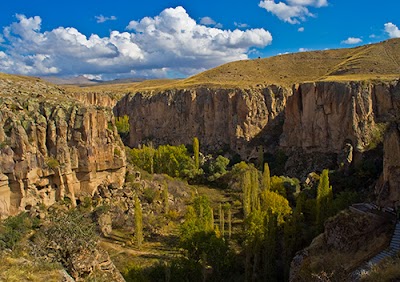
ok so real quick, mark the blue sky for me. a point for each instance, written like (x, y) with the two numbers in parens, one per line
(112, 39)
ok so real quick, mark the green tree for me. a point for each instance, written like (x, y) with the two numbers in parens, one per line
(199, 217)
(221, 220)
(266, 178)
(122, 124)
(324, 199)
(138, 223)
(165, 195)
(276, 204)
(196, 152)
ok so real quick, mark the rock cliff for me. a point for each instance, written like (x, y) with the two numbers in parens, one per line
(336, 121)
(324, 116)
(52, 146)
(221, 118)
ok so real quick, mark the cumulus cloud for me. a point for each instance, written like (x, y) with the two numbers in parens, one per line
(102, 19)
(171, 42)
(352, 40)
(293, 11)
(392, 30)
(300, 29)
(286, 13)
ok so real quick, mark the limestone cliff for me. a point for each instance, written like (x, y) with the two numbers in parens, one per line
(52, 146)
(220, 118)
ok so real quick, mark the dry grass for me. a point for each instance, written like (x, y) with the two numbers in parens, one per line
(388, 270)
(23, 269)
(375, 62)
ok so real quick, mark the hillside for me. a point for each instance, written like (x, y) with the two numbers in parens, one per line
(374, 61)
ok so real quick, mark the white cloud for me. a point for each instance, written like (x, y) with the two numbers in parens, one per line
(171, 42)
(303, 49)
(207, 21)
(286, 13)
(241, 25)
(352, 40)
(210, 22)
(300, 29)
(392, 30)
(315, 3)
(102, 19)
(372, 36)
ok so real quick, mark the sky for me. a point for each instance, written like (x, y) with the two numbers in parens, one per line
(170, 38)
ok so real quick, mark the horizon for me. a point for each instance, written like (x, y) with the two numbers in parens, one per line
(177, 39)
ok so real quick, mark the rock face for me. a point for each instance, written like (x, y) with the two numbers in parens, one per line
(387, 187)
(336, 121)
(325, 116)
(53, 147)
(95, 99)
(220, 118)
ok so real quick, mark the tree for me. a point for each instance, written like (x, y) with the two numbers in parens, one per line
(221, 220)
(196, 151)
(266, 180)
(324, 199)
(276, 204)
(138, 223)
(165, 198)
(199, 217)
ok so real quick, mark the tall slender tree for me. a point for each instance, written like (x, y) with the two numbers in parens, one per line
(166, 198)
(266, 180)
(196, 152)
(138, 223)
(324, 199)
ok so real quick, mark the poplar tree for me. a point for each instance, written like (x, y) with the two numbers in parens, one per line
(138, 223)
(266, 180)
(255, 200)
(324, 199)
(229, 222)
(246, 187)
(165, 198)
(221, 220)
(196, 151)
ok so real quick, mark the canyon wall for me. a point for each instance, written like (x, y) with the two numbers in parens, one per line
(53, 146)
(324, 116)
(221, 118)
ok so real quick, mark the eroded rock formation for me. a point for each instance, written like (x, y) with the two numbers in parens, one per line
(52, 147)
(325, 116)
(220, 118)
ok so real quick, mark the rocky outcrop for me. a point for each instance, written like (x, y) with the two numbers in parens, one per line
(336, 121)
(325, 116)
(52, 147)
(349, 239)
(107, 100)
(221, 118)
(387, 187)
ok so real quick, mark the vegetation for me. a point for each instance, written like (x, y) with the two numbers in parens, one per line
(52, 163)
(123, 127)
(196, 150)
(248, 226)
(138, 223)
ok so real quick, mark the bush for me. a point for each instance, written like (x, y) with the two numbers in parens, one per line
(52, 163)
(14, 228)
(66, 235)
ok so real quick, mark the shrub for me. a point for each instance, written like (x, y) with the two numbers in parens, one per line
(52, 163)
(14, 228)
